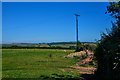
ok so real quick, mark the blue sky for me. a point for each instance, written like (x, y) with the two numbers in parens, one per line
(37, 22)
(56, 0)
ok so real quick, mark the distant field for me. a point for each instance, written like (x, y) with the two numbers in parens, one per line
(36, 63)
(54, 45)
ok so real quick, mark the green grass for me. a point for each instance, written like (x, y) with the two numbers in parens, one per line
(34, 63)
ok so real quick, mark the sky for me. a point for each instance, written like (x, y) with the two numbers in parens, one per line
(38, 22)
(57, 0)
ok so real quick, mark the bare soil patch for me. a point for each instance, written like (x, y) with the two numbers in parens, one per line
(86, 59)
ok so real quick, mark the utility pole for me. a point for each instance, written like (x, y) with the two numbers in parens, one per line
(77, 28)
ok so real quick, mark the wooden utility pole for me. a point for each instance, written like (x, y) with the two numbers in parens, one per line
(77, 28)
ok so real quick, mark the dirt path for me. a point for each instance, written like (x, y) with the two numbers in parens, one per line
(82, 61)
(84, 70)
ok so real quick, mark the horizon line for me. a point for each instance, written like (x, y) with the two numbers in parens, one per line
(43, 42)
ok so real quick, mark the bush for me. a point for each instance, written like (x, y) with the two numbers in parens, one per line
(108, 54)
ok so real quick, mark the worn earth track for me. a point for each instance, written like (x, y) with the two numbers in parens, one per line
(88, 57)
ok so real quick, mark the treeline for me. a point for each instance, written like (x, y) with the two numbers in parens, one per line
(55, 43)
(19, 47)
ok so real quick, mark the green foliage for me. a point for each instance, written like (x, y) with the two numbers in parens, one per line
(77, 57)
(114, 10)
(108, 48)
(78, 47)
(90, 47)
(83, 46)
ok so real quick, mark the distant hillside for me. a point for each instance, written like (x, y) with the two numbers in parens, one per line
(44, 45)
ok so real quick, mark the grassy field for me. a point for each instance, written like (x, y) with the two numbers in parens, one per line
(36, 63)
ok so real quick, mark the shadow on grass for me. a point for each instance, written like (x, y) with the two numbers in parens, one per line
(99, 77)
(88, 77)
(42, 77)
(61, 77)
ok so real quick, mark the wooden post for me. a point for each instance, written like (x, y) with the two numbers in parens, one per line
(77, 28)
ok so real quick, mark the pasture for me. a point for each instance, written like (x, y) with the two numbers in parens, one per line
(37, 63)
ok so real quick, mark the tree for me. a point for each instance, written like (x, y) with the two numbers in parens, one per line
(114, 10)
(108, 51)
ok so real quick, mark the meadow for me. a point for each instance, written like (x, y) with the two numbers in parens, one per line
(37, 63)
